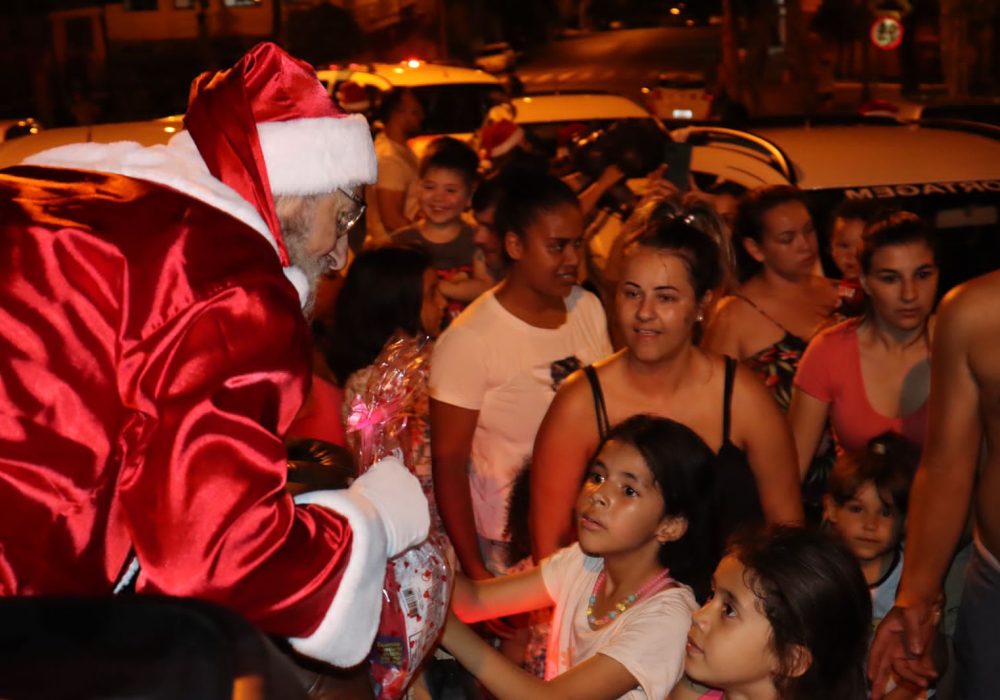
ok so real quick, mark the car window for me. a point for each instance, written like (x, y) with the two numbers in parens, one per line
(682, 83)
(966, 216)
(454, 109)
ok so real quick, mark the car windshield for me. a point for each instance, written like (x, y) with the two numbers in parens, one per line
(454, 109)
(544, 136)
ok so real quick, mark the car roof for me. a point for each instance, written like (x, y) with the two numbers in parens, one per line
(147, 133)
(413, 74)
(534, 109)
(829, 157)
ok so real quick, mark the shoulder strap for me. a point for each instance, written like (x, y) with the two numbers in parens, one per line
(599, 408)
(727, 397)
(763, 313)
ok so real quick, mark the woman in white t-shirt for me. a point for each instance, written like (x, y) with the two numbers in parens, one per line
(623, 593)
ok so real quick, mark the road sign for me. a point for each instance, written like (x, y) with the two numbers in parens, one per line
(886, 32)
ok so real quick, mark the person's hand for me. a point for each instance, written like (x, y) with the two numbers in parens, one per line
(657, 186)
(902, 645)
(610, 175)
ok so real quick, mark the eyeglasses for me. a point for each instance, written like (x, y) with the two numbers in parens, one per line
(347, 218)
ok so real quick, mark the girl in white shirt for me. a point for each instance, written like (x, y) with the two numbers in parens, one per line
(623, 594)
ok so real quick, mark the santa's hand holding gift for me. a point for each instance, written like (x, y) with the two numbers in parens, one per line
(155, 351)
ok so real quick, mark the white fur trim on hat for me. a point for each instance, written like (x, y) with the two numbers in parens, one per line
(313, 156)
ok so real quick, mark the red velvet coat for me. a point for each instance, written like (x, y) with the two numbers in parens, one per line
(152, 354)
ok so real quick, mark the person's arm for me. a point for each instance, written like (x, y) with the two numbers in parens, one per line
(204, 496)
(722, 334)
(806, 415)
(469, 288)
(391, 206)
(939, 499)
(452, 429)
(593, 192)
(765, 436)
(564, 443)
(474, 601)
(599, 677)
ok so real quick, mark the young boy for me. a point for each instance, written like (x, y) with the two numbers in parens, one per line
(447, 175)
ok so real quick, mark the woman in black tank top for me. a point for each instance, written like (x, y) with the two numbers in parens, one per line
(665, 287)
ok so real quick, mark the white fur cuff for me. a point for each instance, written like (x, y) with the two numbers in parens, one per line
(345, 635)
(313, 156)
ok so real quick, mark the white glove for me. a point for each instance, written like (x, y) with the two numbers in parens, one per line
(399, 501)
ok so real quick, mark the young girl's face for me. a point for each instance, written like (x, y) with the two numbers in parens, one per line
(729, 645)
(443, 195)
(870, 527)
(620, 507)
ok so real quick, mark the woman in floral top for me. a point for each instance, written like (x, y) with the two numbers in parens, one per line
(781, 303)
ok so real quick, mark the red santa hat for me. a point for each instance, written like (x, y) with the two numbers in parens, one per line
(500, 137)
(267, 126)
(352, 97)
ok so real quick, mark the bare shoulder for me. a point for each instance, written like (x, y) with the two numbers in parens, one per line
(749, 392)
(730, 314)
(574, 396)
(971, 304)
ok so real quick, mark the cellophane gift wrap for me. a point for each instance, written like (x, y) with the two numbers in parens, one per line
(417, 585)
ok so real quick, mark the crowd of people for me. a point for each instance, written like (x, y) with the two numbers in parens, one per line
(697, 468)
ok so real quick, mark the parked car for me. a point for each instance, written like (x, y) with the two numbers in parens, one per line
(679, 96)
(455, 99)
(947, 173)
(147, 133)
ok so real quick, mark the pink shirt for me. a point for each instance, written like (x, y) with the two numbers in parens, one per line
(830, 370)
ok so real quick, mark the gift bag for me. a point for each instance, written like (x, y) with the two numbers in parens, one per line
(417, 585)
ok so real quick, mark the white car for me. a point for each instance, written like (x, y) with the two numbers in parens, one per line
(950, 175)
(679, 96)
(455, 99)
(148, 133)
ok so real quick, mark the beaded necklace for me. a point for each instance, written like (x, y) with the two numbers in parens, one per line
(653, 585)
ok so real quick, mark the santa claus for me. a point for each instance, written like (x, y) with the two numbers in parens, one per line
(155, 351)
